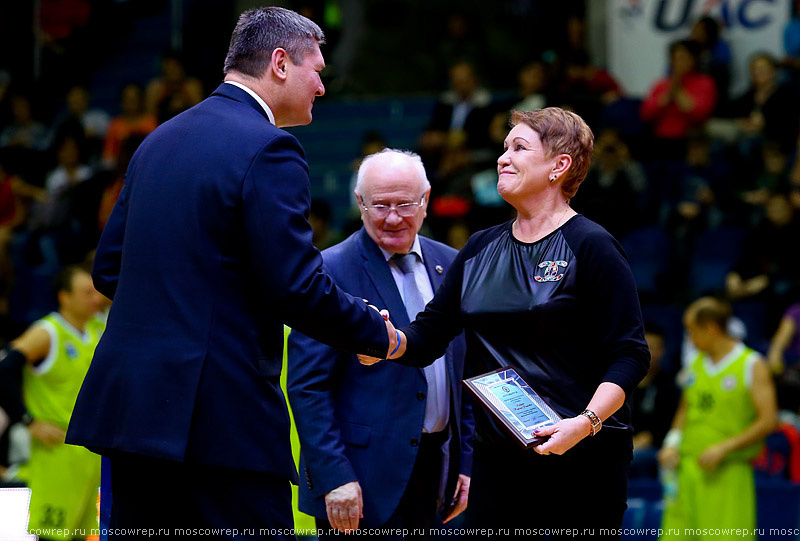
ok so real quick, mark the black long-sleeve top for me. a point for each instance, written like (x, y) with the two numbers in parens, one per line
(563, 311)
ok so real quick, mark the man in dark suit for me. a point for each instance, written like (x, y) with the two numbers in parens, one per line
(387, 444)
(206, 255)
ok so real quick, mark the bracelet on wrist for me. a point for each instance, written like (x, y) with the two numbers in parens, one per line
(597, 424)
(397, 333)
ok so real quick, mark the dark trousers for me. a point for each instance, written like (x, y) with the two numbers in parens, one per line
(532, 496)
(418, 506)
(153, 497)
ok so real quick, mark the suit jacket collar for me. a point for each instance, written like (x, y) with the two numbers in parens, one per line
(237, 94)
(381, 275)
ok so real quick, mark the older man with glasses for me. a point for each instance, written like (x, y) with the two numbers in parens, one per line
(385, 446)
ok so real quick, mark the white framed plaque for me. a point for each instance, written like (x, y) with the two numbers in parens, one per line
(512, 402)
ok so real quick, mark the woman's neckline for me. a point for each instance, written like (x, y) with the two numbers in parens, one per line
(542, 238)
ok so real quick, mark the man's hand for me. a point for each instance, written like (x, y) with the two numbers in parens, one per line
(394, 351)
(461, 498)
(48, 434)
(345, 506)
(366, 359)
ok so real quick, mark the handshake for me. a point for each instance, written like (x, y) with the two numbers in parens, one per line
(397, 340)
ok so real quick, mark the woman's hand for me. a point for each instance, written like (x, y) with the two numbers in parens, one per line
(563, 435)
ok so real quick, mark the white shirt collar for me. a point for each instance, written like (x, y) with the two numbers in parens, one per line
(256, 97)
(415, 249)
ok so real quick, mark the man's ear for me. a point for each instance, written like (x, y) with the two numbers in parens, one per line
(279, 63)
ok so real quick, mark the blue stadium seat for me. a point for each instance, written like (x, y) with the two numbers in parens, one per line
(714, 254)
(634, 515)
(649, 252)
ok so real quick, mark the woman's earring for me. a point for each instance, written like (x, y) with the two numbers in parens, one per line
(552, 178)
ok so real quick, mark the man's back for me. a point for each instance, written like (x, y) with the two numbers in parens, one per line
(205, 255)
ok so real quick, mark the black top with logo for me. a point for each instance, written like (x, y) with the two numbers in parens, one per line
(563, 311)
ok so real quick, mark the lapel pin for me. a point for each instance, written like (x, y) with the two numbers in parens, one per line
(439, 269)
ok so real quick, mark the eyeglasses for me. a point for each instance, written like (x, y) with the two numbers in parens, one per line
(404, 210)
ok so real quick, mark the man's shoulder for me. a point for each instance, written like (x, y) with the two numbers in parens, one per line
(341, 257)
(348, 246)
(221, 125)
(437, 247)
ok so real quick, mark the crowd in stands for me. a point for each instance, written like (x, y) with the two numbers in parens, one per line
(701, 187)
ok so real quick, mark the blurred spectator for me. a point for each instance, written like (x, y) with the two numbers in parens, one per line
(69, 170)
(774, 176)
(727, 409)
(534, 92)
(784, 350)
(534, 88)
(611, 195)
(699, 195)
(132, 121)
(459, 125)
(455, 146)
(783, 356)
(24, 131)
(587, 88)
(679, 102)
(111, 186)
(92, 121)
(53, 356)
(714, 57)
(575, 31)
(173, 91)
(653, 406)
(460, 42)
(769, 269)
(78, 213)
(15, 198)
(768, 110)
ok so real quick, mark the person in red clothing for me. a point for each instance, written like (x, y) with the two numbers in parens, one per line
(682, 100)
(133, 121)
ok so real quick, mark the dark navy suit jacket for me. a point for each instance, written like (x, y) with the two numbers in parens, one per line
(363, 423)
(206, 254)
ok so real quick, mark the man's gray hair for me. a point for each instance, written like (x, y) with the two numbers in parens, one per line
(392, 155)
(262, 30)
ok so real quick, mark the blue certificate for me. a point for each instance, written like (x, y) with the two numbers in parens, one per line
(510, 400)
(519, 403)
